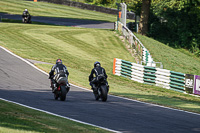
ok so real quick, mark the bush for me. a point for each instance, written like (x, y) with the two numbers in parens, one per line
(180, 27)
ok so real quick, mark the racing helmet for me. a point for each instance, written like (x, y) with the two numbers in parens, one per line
(26, 10)
(96, 64)
(58, 61)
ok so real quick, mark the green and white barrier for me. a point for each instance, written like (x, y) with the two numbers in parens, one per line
(142, 53)
(150, 75)
(129, 70)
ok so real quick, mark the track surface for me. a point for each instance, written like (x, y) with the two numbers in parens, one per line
(24, 84)
(64, 21)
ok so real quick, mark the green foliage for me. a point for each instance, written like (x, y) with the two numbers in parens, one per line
(176, 23)
(178, 60)
(132, 5)
(103, 2)
(80, 48)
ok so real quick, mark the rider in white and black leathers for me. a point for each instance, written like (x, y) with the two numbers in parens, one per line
(60, 70)
(26, 14)
(98, 71)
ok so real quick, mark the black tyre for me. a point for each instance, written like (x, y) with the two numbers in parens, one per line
(96, 96)
(63, 93)
(104, 93)
(56, 96)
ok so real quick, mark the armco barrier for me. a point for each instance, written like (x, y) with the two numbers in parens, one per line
(150, 75)
(142, 53)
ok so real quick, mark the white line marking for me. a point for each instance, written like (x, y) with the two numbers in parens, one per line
(47, 111)
(90, 90)
(59, 115)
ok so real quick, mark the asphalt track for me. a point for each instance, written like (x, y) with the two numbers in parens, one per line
(24, 84)
(64, 21)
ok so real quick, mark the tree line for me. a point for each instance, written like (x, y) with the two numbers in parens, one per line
(173, 22)
(176, 23)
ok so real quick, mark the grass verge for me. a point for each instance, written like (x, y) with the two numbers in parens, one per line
(178, 60)
(80, 48)
(18, 119)
(52, 10)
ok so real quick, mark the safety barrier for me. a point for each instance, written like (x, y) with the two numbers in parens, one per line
(150, 75)
(142, 53)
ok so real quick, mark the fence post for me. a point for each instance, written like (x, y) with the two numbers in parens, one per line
(124, 12)
(147, 54)
(114, 62)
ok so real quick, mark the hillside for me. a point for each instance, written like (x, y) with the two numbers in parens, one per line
(52, 10)
(178, 60)
(80, 48)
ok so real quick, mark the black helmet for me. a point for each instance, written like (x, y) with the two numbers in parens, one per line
(96, 64)
(58, 61)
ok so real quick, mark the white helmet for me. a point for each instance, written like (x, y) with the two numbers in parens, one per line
(26, 10)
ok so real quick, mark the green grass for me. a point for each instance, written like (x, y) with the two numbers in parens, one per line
(18, 119)
(80, 48)
(52, 10)
(178, 60)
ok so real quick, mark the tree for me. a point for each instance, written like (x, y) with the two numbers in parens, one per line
(176, 23)
(144, 17)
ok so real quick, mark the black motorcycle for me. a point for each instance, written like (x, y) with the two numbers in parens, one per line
(102, 89)
(62, 88)
(26, 19)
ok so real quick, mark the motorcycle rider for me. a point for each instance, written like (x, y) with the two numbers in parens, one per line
(26, 14)
(99, 73)
(60, 70)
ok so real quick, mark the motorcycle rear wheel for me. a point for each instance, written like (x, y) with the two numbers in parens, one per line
(63, 93)
(56, 96)
(104, 93)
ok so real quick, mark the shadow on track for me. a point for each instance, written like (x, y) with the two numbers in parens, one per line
(85, 23)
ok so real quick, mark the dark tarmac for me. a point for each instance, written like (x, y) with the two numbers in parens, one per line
(24, 84)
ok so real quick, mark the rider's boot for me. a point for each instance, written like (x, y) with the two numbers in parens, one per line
(54, 88)
(68, 86)
(107, 87)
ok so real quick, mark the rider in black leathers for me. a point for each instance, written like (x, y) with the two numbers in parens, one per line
(26, 14)
(60, 70)
(98, 71)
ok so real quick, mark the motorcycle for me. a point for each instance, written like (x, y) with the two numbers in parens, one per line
(63, 88)
(102, 89)
(26, 19)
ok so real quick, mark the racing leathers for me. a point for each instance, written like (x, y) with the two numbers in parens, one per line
(26, 14)
(57, 71)
(98, 72)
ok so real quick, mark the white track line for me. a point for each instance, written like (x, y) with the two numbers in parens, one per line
(59, 115)
(44, 110)
(90, 90)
